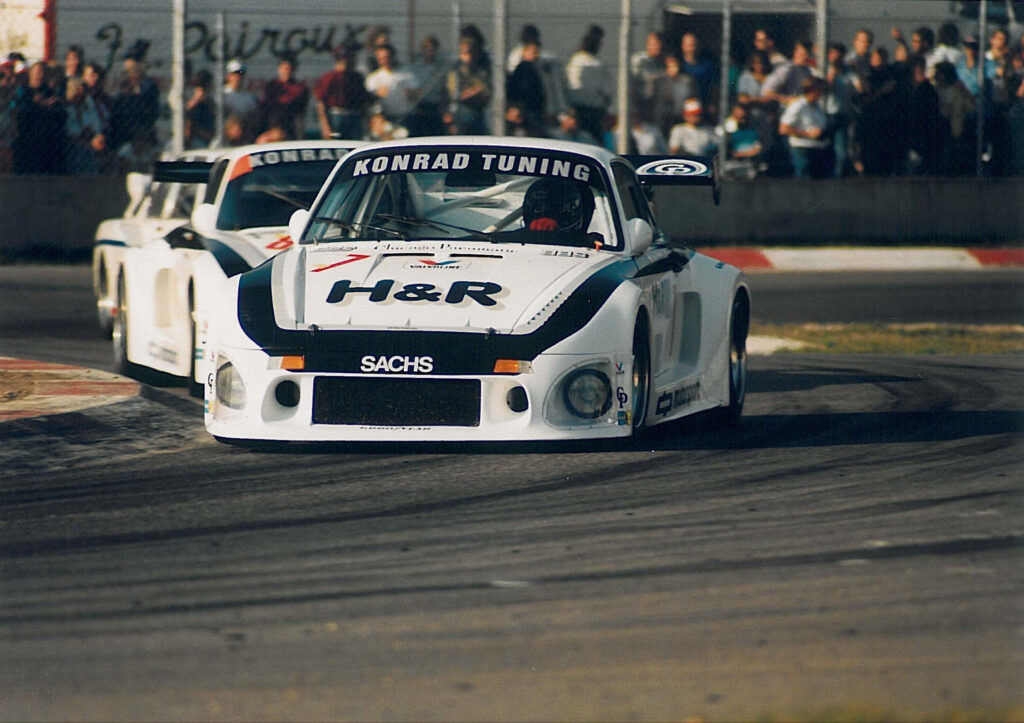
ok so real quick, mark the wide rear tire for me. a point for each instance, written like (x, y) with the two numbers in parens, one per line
(739, 327)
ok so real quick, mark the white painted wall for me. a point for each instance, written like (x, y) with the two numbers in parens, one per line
(21, 28)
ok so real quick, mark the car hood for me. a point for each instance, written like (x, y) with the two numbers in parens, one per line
(442, 286)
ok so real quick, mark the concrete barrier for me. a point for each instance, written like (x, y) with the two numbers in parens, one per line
(55, 217)
(854, 211)
(46, 217)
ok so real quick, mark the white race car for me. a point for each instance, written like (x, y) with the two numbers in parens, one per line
(479, 289)
(163, 288)
(153, 210)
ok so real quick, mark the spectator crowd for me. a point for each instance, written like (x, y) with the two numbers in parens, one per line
(912, 107)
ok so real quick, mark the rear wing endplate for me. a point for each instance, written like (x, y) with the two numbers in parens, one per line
(182, 171)
(678, 171)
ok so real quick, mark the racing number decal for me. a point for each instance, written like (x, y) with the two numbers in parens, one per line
(281, 244)
(349, 259)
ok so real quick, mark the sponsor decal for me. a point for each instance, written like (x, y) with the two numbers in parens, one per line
(246, 164)
(681, 397)
(479, 291)
(493, 162)
(661, 294)
(532, 165)
(398, 364)
(281, 244)
(431, 265)
(162, 353)
(673, 167)
(568, 254)
(624, 419)
(620, 394)
(298, 155)
(350, 259)
(620, 369)
(411, 162)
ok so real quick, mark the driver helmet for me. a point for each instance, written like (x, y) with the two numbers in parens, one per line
(557, 204)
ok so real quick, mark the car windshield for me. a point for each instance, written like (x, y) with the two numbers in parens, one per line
(267, 195)
(499, 195)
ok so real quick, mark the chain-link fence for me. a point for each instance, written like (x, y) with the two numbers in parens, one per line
(718, 77)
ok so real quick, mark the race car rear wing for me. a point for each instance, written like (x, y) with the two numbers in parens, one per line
(182, 171)
(678, 171)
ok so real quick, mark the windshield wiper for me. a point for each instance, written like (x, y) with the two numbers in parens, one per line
(356, 226)
(439, 225)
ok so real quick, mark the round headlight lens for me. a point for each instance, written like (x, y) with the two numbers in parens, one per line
(230, 387)
(587, 393)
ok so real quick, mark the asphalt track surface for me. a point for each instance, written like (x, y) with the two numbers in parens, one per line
(855, 547)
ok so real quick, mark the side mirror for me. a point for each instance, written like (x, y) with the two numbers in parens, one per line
(204, 218)
(297, 224)
(137, 184)
(639, 235)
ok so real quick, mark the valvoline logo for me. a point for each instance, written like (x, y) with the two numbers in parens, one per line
(432, 265)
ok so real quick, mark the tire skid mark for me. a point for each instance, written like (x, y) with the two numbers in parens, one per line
(604, 475)
(941, 548)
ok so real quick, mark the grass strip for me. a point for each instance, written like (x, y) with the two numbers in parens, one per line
(949, 339)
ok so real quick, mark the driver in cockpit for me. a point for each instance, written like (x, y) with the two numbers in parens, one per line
(558, 204)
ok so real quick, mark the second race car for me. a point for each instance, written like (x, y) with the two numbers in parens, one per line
(154, 208)
(164, 287)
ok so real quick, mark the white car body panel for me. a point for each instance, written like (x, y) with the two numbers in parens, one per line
(390, 318)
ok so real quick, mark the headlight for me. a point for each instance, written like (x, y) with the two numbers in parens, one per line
(587, 393)
(230, 387)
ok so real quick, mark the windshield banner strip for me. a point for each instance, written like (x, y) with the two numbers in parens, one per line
(479, 160)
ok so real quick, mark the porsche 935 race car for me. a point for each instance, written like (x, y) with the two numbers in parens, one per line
(479, 289)
(154, 208)
(163, 287)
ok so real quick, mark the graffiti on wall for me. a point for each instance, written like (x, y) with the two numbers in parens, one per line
(247, 43)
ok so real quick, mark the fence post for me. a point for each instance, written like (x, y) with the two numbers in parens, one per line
(218, 88)
(980, 140)
(498, 61)
(724, 63)
(821, 34)
(624, 124)
(177, 94)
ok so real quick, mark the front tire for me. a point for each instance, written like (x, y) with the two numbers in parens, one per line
(195, 389)
(739, 327)
(103, 308)
(119, 331)
(641, 376)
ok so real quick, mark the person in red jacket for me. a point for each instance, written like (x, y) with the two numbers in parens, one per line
(285, 100)
(341, 97)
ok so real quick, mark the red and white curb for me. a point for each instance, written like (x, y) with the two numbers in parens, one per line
(866, 259)
(33, 389)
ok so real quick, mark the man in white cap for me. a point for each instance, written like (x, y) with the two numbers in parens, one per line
(692, 137)
(237, 102)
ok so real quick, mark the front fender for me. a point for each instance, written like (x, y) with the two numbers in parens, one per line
(611, 328)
